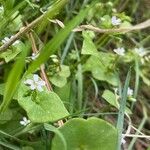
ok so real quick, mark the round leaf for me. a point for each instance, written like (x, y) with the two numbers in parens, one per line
(91, 134)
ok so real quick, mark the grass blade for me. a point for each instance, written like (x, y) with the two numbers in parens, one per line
(53, 45)
(122, 109)
(13, 79)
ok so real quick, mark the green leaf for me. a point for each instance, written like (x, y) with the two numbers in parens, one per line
(100, 67)
(122, 107)
(46, 106)
(65, 71)
(91, 134)
(88, 46)
(110, 98)
(60, 78)
(10, 54)
(53, 45)
(13, 79)
(6, 116)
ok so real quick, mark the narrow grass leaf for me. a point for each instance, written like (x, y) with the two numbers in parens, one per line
(10, 146)
(120, 121)
(13, 79)
(53, 45)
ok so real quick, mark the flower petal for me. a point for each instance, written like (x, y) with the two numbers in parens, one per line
(41, 82)
(35, 77)
(28, 81)
(22, 123)
(32, 87)
(39, 88)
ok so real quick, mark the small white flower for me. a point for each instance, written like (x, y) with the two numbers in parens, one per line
(140, 51)
(130, 91)
(6, 39)
(34, 56)
(36, 83)
(120, 51)
(115, 21)
(25, 121)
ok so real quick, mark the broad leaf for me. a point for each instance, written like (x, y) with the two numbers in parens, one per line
(100, 66)
(110, 98)
(88, 46)
(91, 134)
(42, 106)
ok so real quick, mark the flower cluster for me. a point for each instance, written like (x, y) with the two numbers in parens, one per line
(36, 83)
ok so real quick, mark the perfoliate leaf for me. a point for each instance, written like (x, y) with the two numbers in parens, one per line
(91, 134)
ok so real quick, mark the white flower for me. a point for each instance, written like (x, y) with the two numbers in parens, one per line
(115, 21)
(130, 91)
(34, 56)
(25, 121)
(36, 83)
(120, 51)
(140, 51)
(6, 39)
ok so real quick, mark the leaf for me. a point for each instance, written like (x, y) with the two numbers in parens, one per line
(53, 45)
(100, 67)
(10, 54)
(60, 78)
(13, 79)
(91, 134)
(64, 92)
(122, 107)
(46, 106)
(88, 46)
(6, 116)
(65, 71)
(110, 98)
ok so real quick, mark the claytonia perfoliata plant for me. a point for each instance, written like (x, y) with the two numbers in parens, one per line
(115, 21)
(120, 51)
(6, 39)
(36, 83)
(24, 121)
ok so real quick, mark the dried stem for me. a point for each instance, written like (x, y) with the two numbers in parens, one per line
(42, 69)
(140, 26)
